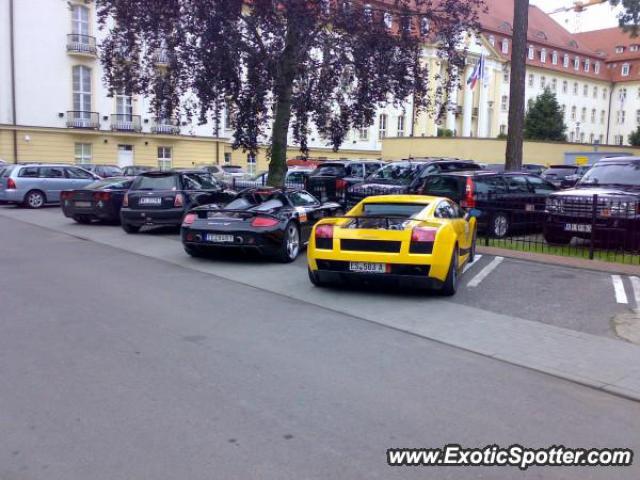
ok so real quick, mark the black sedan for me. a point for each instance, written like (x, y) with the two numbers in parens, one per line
(162, 198)
(274, 222)
(100, 200)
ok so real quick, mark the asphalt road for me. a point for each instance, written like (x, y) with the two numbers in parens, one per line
(116, 366)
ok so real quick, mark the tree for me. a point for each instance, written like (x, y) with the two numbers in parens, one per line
(285, 63)
(545, 119)
(517, 87)
(634, 138)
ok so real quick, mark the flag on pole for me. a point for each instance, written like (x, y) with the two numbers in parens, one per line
(477, 74)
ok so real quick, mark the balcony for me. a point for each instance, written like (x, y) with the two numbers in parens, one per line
(166, 127)
(80, 119)
(83, 45)
(161, 57)
(126, 123)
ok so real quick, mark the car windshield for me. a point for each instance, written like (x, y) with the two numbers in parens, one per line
(156, 182)
(397, 173)
(330, 170)
(393, 209)
(627, 174)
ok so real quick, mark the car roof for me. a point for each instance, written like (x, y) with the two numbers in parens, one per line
(482, 173)
(619, 159)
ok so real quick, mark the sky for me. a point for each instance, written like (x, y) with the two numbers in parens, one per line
(593, 18)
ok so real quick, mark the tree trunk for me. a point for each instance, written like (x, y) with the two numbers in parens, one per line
(518, 82)
(283, 90)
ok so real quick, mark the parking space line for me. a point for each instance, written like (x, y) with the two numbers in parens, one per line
(469, 265)
(635, 283)
(618, 287)
(484, 273)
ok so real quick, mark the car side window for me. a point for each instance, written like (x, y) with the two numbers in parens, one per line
(296, 177)
(29, 172)
(371, 168)
(430, 170)
(357, 170)
(517, 184)
(52, 172)
(77, 173)
(302, 199)
(540, 186)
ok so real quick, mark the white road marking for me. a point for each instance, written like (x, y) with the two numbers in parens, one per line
(635, 283)
(469, 265)
(484, 273)
(618, 287)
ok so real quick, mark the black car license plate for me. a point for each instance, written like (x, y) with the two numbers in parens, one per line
(577, 227)
(150, 201)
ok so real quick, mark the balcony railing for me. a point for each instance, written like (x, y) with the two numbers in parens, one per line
(166, 127)
(126, 123)
(81, 44)
(80, 119)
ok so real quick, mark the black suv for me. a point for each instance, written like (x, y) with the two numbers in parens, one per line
(504, 202)
(565, 176)
(405, 176)
(162, 198)
(330, 180)
(604, 206)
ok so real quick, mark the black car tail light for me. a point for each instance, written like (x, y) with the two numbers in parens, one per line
(66, 195)
(324, 237)
(469, 200)
(422, 240)
(189, 218)
(102, 196)
(264, 222)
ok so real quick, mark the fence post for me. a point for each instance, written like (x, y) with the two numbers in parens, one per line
(594, 215)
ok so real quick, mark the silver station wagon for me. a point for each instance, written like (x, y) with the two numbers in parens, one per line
(35, 185)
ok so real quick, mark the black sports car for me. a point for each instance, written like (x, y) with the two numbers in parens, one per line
(100, 200)
(274, 222)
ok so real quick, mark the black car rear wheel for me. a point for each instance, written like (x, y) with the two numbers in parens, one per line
(127, 227)
(83, 219)
(500, 225)
(450, 285)
(290, 244)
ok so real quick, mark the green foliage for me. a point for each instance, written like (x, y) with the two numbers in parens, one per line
(545, 120)
(634, 138)
(445, 132)
(629, 17)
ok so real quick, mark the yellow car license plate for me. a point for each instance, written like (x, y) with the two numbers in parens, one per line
(365, 267)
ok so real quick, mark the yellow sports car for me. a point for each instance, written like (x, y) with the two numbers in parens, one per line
(414, 240)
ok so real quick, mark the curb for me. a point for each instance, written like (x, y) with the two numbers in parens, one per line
(572, 262)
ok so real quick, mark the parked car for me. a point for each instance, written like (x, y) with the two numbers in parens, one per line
(330, 180)
(35, 185)
(162, 198)
(562, 176)
(403, 177)
(533, 168)
(135, 170)
(295, 177)
(412, 240)
(274, 222)
(104, 171)
(604, 206)
(100, 200)
(504, 202)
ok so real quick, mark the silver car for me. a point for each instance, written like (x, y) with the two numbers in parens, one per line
(34, 185)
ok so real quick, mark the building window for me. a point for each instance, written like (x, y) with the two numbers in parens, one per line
(593, 115)
(595, 92)
(575, 88)
(576, 63)
(227, 158)
(573, 112)
(587, 65)
(251, 164)
(531, 79)
(604, 93)
(505, 75)
(543, 55)
(82, 153)
(388, 20)
(581, 137)
(492, 40)
(621, 116)
(625, 69)
(531, 52)
(565, 61)
(565, 86)
(572, 137)
(503, 129)
(591, 138)
(554, 58)
(638, 117)
(564, 109)
(619, 49)
(401, 125)
(82, 92)
(505, 46)
(124, 107)
(363, 133)
(585, 90)
(602, 116)
(583, 114)
(596, 67)
(504, 104)
(164, 158)
(554, 84)
(633, 48)
(382, 126)
(543, 81)
(79, 20)
(424, 26)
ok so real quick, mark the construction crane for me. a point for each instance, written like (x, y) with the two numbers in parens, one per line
(578, 7)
